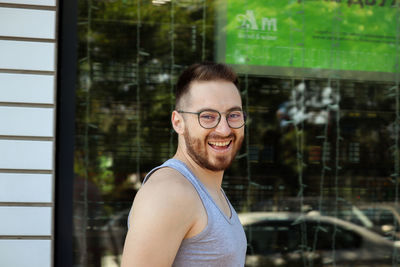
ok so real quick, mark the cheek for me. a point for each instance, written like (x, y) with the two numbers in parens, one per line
(193, 126)
(197, 132)
(240, 133)
(196, 137)
(191, 129)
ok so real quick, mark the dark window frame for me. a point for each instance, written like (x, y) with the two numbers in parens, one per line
(64, 172)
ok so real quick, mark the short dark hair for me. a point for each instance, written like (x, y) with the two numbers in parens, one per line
(205, 71)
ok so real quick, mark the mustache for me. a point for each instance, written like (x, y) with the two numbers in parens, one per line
(217, 137)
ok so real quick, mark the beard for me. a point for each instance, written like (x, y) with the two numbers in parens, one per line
(197, 150)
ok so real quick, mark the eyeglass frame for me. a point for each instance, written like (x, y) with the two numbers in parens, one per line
(219, 118)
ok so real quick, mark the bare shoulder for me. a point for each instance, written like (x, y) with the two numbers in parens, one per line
(169, 185)
(166, 196)
(167, 175)
(163, 212)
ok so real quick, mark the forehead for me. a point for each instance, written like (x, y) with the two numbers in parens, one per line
(219, 95)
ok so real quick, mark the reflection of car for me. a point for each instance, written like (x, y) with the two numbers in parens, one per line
(291, 239)
(335, 207)
(384, 215)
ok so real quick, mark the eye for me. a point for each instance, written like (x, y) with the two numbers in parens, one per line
(235, 115)
(210, 116)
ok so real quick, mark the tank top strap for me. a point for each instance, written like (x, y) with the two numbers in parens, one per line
(184, 170)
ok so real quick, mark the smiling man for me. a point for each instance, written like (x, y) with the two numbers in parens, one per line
(181, 216)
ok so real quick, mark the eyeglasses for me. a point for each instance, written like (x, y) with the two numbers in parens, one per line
(209, 118)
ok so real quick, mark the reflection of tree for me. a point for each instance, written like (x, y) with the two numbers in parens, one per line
(88, 214)
(364, 150)
(312, 105)
(130, 53)
(125, 70)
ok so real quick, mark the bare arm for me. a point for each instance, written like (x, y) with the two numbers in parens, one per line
(162, 214)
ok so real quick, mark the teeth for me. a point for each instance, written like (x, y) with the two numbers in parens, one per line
(219, 143)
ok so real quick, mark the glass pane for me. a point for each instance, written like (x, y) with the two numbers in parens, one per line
(320, 87)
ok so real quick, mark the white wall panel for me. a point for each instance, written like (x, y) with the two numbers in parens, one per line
(27, 88)
(31, 23)
(27, 55)
(31, 2)
(24, 187)
(23, 253)
(25, 221)
(26, 121)
(21, 120)
(21, 154)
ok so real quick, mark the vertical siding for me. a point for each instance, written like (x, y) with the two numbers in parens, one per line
(27, 124)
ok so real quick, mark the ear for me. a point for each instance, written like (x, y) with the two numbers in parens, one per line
(177, 122)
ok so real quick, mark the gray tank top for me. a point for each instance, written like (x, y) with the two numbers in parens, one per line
(222, 242)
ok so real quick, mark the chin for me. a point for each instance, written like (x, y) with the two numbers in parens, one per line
(223, 164)
(198, 151)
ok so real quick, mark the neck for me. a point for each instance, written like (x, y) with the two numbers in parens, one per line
(211, 179)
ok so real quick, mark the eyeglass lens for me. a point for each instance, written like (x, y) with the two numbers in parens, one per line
(210, 119)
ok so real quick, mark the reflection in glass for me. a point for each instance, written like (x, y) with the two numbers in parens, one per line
(317, 177)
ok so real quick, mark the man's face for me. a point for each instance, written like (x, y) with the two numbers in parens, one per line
(215, 148)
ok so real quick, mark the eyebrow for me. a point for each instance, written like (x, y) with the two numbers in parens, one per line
(235, 108)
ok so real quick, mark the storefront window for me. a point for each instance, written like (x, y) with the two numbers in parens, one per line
(316, 182)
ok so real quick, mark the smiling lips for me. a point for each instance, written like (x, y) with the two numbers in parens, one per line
(219, 144)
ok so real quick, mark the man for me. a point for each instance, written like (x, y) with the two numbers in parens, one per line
(181, 216)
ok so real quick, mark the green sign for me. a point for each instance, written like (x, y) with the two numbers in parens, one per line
(347, 35)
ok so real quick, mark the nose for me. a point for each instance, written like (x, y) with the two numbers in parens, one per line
(223, 128)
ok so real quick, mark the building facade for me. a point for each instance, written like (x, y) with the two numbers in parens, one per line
(86, 92)
(31, 38)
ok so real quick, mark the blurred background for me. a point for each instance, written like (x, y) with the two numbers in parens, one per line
(316, 181)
